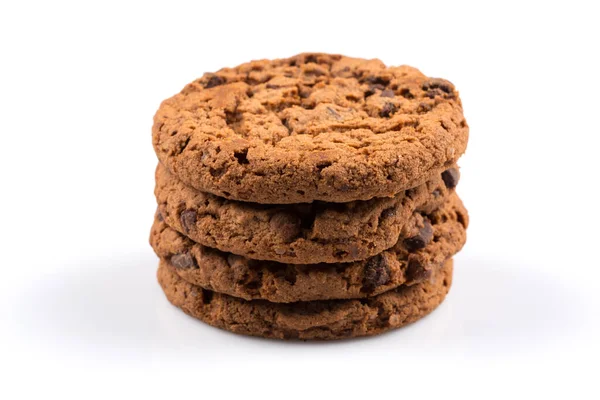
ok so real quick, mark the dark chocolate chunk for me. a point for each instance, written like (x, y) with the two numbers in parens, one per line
(377, 80)
(450, 177)
(183, 261)
(188, 220)
(213, 81)
(387, 110)
(373, 88)
(311, 58)
(415, 270)
(406, 93)
(377, 273)
(424, 108)
(432, 93)
(439, 87)
(422, 239)
(437, 83)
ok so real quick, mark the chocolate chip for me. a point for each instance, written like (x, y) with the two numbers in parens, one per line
(213, 81)
(422, 239)
(387, 110)
(183, 261)
(388, 93)
(377, 273)
(188, 220)
(415, 271)
(437, 83)
(373, 88)
(286, 225)
(311, 58)
(159, 216)
(232, 118)
(450, 177)
(377, 80)
(406, 93)
(436, 193)
(423, 108)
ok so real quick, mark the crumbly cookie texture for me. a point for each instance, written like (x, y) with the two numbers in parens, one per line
(311, 127)
(300, 233)
(324, 320)
(427, 241)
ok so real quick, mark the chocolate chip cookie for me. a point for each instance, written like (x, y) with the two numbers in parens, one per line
(301, 233)
(311, 127)
(427, 241)
(324, 320)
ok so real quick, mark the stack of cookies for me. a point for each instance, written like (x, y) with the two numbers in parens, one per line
(310, 197)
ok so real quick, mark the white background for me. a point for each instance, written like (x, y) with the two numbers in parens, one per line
(81, 313)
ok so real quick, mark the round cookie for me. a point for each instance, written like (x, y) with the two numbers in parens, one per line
(324, 320)
(311, 127)
(300, 233)
(428, 241)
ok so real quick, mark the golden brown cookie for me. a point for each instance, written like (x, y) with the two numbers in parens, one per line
(326, 319)
(296, 233)
(310, 127)
(427, 241)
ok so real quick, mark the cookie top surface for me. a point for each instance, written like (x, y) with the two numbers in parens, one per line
(323, 320)
(311, 127)
(298, 234)
(427, 242)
